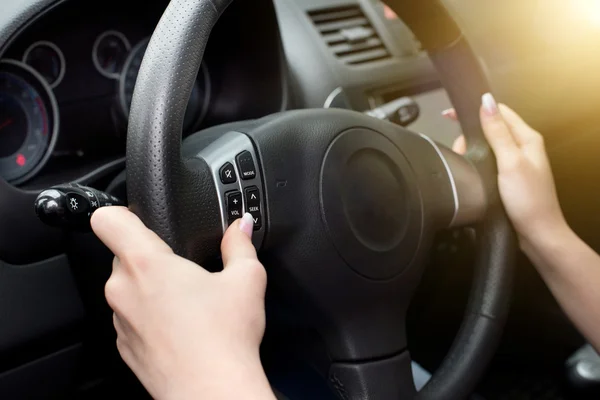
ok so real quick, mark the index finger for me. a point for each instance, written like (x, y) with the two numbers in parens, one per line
(496, 130)
(522, 132)
(121, 231)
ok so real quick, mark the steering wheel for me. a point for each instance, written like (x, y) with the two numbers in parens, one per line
(345, 206)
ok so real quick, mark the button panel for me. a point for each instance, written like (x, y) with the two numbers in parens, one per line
(236, 174)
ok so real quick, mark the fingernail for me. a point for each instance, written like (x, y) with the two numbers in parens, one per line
(489, 104)
(247, 224)
(448, 112)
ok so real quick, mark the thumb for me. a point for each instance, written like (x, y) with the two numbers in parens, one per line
(237, 244)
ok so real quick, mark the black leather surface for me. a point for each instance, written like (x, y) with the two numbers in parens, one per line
(18, 13)
(162, 189)
(488, 306)
(429, 20)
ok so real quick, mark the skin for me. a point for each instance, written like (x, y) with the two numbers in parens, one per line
(570, 268)
(185, 332)
(189, 334)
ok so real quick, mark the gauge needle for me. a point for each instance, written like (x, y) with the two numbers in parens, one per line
(6, 123)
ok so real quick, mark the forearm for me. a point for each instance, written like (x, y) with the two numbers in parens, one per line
(571, 269)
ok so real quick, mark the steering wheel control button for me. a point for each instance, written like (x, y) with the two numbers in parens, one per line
(227, 174)
(71, 205)
(253, 205)
(246, 165)
(234, 206)
(237, 149)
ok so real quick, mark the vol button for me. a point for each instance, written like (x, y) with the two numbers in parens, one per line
(234, 206)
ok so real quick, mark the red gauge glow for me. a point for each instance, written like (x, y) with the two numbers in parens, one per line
(21, 160)
(24, 136)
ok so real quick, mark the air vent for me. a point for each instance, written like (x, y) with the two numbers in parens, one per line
(349, 34)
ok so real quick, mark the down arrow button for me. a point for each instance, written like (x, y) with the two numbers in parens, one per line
(253, 205)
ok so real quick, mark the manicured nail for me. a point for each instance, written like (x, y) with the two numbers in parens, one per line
(449, 112)
(247, 224)
(489, 104)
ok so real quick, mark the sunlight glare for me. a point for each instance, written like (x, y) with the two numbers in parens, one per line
(588, 10)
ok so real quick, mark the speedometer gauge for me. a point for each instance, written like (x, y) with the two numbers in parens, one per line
(28, 120)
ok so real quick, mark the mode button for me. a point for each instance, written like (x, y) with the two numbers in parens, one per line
(246, 165)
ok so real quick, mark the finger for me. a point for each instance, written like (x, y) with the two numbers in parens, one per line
(118, 325)
(496, 130)
(122, 231)
(236, 243)
(450, 113)
(116, 264)
(460, 145)
(522, 132)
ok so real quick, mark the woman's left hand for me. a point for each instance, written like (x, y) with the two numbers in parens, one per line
(186, 333)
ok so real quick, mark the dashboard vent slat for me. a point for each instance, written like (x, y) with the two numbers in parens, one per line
(336, 26)
(349, 34)
(336, 15)
(347, 48)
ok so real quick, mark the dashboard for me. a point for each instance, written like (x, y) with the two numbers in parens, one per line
(67, 73)
(67, 80)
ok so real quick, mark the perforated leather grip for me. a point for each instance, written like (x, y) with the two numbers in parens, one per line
(163, 189)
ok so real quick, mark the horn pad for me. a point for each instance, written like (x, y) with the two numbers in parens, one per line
(371, 203)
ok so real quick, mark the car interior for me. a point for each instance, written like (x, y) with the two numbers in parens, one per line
(385, 251)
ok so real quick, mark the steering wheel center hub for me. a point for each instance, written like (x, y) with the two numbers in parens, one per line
(370, 203)
(374, 199)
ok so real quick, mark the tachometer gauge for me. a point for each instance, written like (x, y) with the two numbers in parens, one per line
(47, 59)
(28, 121)
(199, 99)
(109, 53)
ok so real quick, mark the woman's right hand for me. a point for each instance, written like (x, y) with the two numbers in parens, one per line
(525, 179)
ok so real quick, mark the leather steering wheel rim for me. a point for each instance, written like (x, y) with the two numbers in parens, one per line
(160, 182)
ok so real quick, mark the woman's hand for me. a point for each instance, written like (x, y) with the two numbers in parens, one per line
(186, 333)
(524, 175)
(570, 268)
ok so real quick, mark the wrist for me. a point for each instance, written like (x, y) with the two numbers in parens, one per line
(543, 232)
(228, 379)
(546, 240)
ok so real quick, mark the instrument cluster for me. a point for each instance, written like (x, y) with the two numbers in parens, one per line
(30, 113)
